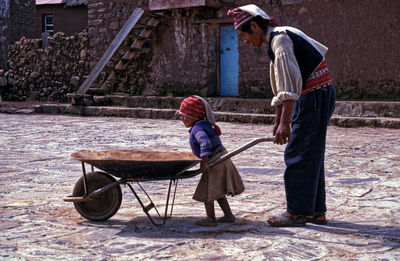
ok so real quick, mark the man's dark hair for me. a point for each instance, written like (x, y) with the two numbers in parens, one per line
(261, 22)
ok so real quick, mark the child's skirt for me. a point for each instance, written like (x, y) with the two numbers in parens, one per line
(221, 180)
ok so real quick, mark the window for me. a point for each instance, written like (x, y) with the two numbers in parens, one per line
(48, 24)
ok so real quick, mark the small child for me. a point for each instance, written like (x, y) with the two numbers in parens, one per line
(220, 180)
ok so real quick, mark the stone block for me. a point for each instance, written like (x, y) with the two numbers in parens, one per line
(49, 108)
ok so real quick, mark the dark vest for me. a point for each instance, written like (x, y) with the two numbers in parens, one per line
(306, 55)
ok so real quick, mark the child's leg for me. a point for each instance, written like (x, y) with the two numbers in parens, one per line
(210, 210)
(210, 220)
(228, 216)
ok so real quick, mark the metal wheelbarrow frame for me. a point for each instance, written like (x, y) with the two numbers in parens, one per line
(97, 195)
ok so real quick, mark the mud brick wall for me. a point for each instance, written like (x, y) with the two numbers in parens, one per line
(362, 37)
(62, 18)
(47, 74)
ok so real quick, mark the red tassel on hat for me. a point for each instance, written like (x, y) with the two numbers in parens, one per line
(217, 130)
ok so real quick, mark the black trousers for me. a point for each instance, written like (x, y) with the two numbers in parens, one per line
(304, 154)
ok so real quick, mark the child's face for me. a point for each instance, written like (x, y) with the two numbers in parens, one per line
(188, 122)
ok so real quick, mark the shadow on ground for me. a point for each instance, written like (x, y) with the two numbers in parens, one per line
(184, 227)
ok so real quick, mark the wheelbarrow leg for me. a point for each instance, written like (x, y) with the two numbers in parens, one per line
(173, 199)
(147, 208)
(84, 179)
(85, 183)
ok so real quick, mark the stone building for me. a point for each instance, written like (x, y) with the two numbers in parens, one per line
(188, 47)
(195, 50)
(16, 20)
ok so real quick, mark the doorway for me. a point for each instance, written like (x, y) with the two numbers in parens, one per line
(229, 61)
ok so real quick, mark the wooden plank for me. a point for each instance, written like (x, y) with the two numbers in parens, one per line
(132, 36)
(153, 14)
(145, 33)
(172, 4)
(142, 26)
(119, 38)
(137, 44)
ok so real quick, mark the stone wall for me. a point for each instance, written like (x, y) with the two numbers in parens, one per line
(183, 54)
(22, 19)
(16, 20)
(4, 31)
(105, 19)
(47, 74)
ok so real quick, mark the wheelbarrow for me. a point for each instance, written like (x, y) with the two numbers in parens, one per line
(97, 195)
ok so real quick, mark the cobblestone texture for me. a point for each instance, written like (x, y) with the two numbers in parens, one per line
(363, 180)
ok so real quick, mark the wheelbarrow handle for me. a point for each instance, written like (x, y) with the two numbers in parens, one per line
(240, 149)
(191, 173)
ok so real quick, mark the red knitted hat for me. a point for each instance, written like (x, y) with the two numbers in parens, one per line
(192, 107)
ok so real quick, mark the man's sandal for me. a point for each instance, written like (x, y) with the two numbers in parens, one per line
(287, 220)
(317, 218)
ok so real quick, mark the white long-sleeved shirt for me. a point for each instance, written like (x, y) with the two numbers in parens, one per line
(285, 74)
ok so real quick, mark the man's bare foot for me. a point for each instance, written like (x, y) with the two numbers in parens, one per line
(206, 222)
(227, 219)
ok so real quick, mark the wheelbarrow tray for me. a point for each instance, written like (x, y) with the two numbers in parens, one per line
(138, 165)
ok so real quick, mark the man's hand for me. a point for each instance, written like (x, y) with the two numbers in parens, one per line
(204, 165)
(282, 135)
(283, 117)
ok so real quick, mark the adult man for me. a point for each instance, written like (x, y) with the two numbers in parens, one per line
(304, 100)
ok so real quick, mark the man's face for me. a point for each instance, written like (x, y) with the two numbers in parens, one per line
(253, 39)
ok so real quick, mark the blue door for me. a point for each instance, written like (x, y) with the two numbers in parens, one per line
(229, 61)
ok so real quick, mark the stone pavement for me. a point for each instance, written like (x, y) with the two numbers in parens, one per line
(36, 172)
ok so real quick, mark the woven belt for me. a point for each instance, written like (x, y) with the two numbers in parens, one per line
(320, 78)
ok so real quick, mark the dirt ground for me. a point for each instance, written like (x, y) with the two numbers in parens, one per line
(36, 173)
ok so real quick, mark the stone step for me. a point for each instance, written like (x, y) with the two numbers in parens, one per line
(371, 109)
(171, 114)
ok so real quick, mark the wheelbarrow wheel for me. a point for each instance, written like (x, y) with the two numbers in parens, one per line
(105, 205)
